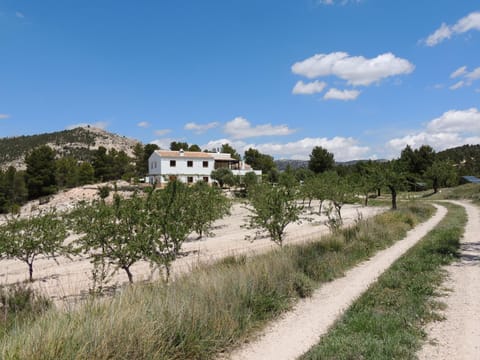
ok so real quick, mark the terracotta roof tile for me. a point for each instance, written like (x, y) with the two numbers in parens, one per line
(186, 154)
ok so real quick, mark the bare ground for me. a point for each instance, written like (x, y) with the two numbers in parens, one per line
(458, 336)
(298, 330)
(68, 280)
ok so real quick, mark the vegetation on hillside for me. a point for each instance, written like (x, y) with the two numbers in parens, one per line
(12, 148)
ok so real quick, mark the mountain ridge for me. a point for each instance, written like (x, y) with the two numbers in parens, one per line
(78, 142)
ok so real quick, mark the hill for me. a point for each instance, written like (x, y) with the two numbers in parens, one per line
(466, 158)
(78, 142)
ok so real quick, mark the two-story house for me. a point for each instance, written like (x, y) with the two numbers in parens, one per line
(190, 167)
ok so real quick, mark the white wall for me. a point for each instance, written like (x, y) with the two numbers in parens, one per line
(160, 169)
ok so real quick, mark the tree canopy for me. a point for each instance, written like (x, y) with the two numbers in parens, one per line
(321, 160)
(41, 172)
(259, 161)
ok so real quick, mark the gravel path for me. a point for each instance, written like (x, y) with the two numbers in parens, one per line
(298, 330)
(458, 336)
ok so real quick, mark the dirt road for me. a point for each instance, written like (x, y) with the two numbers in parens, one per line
(298, 330)
(458, 336)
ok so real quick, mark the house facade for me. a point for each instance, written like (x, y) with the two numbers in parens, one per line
(190, 167)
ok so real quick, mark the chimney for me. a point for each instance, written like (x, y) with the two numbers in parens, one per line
(181, 152)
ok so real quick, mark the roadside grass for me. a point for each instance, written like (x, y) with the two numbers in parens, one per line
(387, 321)
(213, 308)
(467, 191)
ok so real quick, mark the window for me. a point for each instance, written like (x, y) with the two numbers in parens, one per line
(190, 179)
(205, 178)
(205, 164)
(189, 163)
(173, 163)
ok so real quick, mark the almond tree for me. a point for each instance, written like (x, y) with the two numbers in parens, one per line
(339, 192)
(210, 205)
(26, 239)
(272, 209)
(114, 234)
(171, 218)
(394, 178)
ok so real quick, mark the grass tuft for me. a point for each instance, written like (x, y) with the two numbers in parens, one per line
(19, 304)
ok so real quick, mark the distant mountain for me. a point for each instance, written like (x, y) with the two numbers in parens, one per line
(79, 143)
(282, 164)
(297, 164)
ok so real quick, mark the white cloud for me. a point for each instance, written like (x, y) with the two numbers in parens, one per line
(356, 70)
(163, 143)
(460, 121)
(345, 95)
(99, 124)
(337, 2)
(162, 132)
(240, 128)
(474, 75)
(467, 23)
(200, 128)
(438, 141)
(442, 33)
(143, 124)
(459, 72)
(308, 88)
(343, 148)
(452, 128)
(468, 77)
(457, 85)
(19, 15)
(4, 116)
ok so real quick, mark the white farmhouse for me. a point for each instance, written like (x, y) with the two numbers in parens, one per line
(190, 167)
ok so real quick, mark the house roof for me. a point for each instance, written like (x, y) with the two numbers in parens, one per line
(184, 154)
(223, 157)
(472, 179)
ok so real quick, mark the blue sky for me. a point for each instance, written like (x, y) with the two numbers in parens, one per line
(362, 78)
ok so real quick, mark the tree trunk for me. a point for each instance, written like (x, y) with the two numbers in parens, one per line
(394, 197)
(30, 271)
(378, 192)
(129, 274)
(435, 186)
(366, 200)
(338, 208)
(320, 208)
(167, 273)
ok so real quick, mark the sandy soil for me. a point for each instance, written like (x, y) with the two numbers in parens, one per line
(298, 330)
(67, 280)
(458, 336)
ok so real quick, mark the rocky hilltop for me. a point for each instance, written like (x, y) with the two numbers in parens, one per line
(79, 142)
